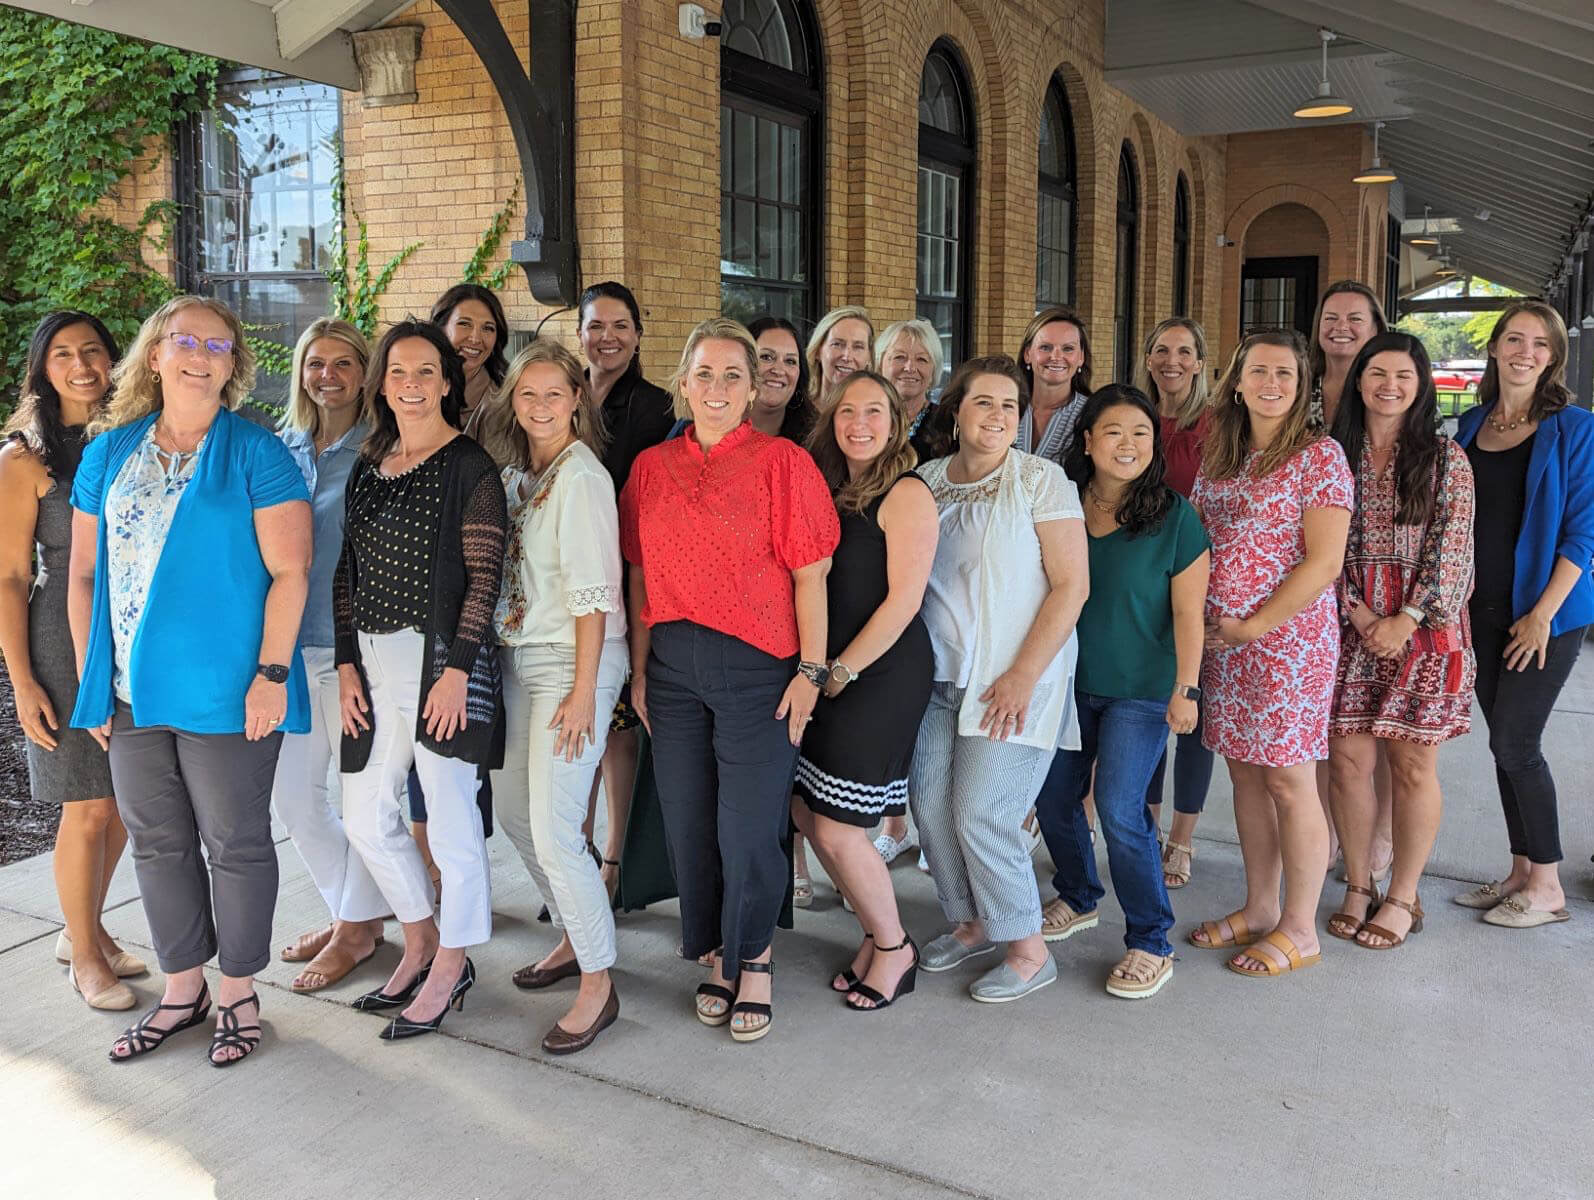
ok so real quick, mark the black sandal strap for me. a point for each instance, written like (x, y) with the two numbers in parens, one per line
(759, 968)
(141, 1039)
(751, 1008)
(868, 993)
(611, 862)
(902, 945)
(715, 991)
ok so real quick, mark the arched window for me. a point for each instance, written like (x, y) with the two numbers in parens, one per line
(1181, 247)
(1123, 308)
(770, 102)
(946, 193)
(1055, 225)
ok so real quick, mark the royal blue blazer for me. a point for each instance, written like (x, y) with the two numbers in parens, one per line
(198, 642)
(1558, 520)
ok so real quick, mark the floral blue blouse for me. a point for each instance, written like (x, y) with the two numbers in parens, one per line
(138, 514)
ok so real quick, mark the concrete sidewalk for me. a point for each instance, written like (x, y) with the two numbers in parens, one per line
(1458, 1067)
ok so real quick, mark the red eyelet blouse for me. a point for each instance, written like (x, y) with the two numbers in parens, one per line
(718, 535)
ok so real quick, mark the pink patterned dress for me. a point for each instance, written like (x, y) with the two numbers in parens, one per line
(1426, 696)
(1268, 702)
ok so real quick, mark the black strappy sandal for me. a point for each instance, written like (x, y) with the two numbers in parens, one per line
(713, 991)
(904, 985)
(847, 975)
(141, 1038)
(235, 1035)
(751, 1008)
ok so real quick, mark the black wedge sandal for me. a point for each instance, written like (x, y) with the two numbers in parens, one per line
(904, 985)
(752, 1008)
(141, 1038)
(847, 975)
(235, 1035)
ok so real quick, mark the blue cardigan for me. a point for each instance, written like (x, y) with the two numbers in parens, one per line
(1558, 520)
(198, 643)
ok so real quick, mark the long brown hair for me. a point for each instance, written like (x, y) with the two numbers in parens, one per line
(898, 457)
(943, 418)
(1550, 394)
(1344, 287)
(37, 416)
(384, 425)
(1418, 449)
(501, 434)
(1229, 436)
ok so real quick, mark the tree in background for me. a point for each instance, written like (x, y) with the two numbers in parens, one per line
(79, 110)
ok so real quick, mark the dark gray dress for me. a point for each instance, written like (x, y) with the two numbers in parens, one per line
(77, 769)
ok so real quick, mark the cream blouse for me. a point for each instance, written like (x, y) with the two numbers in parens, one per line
(562, 560)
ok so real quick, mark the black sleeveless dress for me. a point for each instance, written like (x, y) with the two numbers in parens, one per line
(855, 755)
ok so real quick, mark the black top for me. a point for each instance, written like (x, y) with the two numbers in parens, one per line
(392, 533)
(858, 581)
(636, 415)
(1500, 481)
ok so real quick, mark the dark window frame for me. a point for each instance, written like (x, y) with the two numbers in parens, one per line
(1391, 266)
(1064, 188)
(1302, 270)
(750, 84)
(1126, 290)
(1181, 246)
(957, 157)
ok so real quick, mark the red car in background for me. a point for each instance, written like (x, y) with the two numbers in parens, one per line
(1458, 375)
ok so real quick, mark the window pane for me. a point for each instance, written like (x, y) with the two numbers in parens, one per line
(768, 241)
(742, 252)
(768, 165)
(791, 169)
(745, 137)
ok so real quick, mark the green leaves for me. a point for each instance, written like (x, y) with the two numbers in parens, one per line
(487, 248)
(79, 109)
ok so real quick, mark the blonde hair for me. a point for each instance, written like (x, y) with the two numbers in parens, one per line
(136, 387)
(926, 336)
(821, 334)
(304, 414)
(898, 457)
(501, 434)
(1196, 402)
(711, 330)
(1228, 440)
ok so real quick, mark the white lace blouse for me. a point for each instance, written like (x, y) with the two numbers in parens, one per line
(562, 559)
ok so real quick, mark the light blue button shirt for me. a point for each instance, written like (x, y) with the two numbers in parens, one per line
(326, 475)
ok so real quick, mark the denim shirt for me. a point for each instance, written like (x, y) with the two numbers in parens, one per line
(326, 475)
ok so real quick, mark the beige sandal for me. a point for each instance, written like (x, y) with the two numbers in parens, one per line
(1139, 974)
(1280, 941)
(1176, 861)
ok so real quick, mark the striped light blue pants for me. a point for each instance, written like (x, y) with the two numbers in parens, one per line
(969, 796)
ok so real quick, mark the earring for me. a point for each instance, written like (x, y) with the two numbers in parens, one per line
(1237, 399)
(954, 433)
(156, 376)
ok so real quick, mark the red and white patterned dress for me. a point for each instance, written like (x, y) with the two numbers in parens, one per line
(1268, 702)
(1426, 696)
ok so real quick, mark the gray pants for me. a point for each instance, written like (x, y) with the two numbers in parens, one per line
(969, 796)
(176, 790)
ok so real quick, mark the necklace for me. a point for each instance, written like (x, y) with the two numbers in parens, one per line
(1099, 503)
(177, 447)
(1501, 427)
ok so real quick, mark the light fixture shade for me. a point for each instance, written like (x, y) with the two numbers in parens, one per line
(1324, 104)
(1377, 172)
(1423, 241)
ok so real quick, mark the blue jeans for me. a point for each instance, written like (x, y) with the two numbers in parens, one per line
(1122, 740)
(1192, 772)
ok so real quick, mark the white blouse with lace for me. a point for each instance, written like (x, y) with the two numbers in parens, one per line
(562, 559)
(139, 507)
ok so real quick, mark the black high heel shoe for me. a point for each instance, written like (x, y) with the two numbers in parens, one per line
(401, 1027)
(847, 975)
(378, 1000)
(904, 985)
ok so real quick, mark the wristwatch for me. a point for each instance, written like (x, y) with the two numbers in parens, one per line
(1415, 613)
(272, 672)
(1187, 691)
(814, 672)
(841, 674)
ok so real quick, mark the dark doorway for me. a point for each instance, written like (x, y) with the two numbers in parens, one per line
(1278, 293)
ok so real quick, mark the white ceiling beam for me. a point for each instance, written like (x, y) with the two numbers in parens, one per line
(1467, 129)
(1572, 12)
(1558, 81)
(1465, 94)
(236, 30)
(1440, 185)
(303, 23)
(1495, 21)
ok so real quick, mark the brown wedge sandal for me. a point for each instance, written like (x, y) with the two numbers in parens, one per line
(1344, 926)
(1393, 939)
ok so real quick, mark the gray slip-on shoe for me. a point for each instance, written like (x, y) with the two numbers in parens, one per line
(946, 952)
(1002, 983)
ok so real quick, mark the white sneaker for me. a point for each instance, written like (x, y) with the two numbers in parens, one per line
(890, 848)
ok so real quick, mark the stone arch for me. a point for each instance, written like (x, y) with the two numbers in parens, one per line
(1341, 257)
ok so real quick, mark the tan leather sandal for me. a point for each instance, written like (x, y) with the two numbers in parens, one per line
(1176, 861)
(1214, 931)
(1392, 939)
(1280, 941)
(1139, 974)
(307, 945)
(1342, 924)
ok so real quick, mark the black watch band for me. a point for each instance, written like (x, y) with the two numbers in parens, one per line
(272, 672)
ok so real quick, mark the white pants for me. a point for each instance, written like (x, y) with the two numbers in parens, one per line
(374, 816)
(540, 800)
(304, 802)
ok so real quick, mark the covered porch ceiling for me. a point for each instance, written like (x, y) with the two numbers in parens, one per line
(297, 37)
(1489, 103)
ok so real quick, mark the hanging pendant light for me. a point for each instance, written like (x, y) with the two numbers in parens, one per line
(1324, 103)
(1427, 239)
(1376, 171)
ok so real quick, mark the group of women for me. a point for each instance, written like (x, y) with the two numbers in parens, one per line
(830, 599)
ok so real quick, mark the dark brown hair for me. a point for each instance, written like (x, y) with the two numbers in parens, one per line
(384, 425)
(1418, 450)
(943, 418)
(1550, 394)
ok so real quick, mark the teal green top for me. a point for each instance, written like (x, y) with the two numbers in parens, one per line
(1126, 630)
